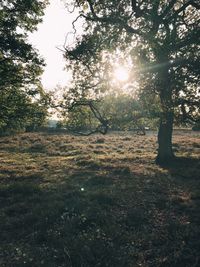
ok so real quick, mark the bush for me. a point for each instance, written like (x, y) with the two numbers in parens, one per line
(196, 127)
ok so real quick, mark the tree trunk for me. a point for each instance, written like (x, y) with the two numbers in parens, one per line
(165, 153)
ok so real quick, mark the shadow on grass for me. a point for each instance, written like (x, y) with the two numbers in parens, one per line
(184, 167)
(94, 220)
(60, 227)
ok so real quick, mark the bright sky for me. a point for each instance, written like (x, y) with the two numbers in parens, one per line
(57, 22)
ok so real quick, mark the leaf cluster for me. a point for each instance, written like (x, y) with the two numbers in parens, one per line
(159, 36)
(20, 64)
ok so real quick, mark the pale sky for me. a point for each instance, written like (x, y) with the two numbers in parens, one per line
(57, 22)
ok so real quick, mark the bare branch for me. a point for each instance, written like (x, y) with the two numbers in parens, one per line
(103, 127)
(110, 19)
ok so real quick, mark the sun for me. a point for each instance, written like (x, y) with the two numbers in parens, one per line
(121, 74)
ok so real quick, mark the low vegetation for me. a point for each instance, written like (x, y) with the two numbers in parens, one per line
(98, 201)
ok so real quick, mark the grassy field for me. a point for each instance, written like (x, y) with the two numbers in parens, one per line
(98, 201)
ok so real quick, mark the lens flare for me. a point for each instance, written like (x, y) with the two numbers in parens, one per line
(121, 74)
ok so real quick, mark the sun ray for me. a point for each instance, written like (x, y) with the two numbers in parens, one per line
(121, 74)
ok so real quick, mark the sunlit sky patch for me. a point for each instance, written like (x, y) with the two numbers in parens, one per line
(121, 74)
(51, 34)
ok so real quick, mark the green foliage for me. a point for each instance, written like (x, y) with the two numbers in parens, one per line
(127, 113)
(80, 119)
(122, 111)
(159, 40)
(22, 98)
(20, 63)
(19, 111)
(196, 127)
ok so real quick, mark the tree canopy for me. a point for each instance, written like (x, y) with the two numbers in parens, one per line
(20, 63)
(161, 40)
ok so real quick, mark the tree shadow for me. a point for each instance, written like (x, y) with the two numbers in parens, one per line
(97, 216)
(183, 167)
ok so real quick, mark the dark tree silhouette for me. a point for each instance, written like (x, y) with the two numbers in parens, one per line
(163, 36)
(20, 64)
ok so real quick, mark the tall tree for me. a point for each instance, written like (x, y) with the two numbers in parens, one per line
(20, 64)
(161, 37)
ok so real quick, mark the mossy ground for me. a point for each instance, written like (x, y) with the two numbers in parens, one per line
(98, 201)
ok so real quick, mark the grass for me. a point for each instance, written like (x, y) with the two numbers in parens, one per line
(98, 201)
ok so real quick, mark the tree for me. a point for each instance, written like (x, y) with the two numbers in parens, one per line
(114, 111)
(20, 64)
(126, 112)
(18, 111)
(160, 37)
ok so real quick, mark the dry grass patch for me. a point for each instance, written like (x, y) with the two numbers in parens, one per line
(98, 201)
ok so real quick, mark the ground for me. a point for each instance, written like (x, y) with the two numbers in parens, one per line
(98, 201)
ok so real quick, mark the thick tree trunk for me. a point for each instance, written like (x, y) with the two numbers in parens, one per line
(165, 153)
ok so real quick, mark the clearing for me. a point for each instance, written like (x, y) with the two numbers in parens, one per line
(98, 201)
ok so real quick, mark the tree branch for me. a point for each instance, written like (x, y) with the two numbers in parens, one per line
(135, 8)
(168, 8)
(181, 9)
(188, 40)
(103, 127)
(109, 19)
